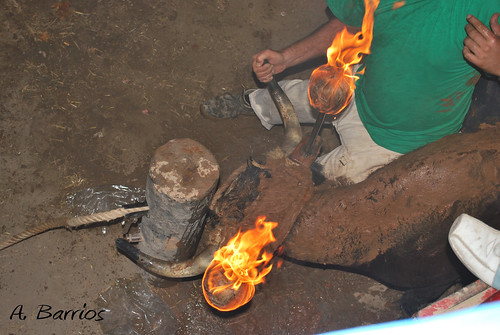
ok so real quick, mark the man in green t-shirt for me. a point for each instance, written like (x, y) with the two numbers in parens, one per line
(416, 87)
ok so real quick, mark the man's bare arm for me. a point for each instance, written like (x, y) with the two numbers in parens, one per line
(312, 46)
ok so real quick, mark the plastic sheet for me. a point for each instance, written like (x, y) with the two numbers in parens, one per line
(131, 308)
(101, 199)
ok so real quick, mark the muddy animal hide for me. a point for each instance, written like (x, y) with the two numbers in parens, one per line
(394, 225)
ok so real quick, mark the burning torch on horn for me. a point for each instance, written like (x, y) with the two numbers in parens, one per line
(332, 85)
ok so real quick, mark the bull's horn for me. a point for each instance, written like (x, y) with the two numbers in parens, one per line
(190, 268)
(293, 132)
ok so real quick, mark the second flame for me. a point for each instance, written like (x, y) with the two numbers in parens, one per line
(229, 281)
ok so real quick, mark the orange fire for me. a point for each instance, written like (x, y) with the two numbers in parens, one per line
(398, 4)
(230, 279)
(332, 85)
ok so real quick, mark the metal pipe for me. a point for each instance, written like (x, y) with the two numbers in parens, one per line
(320, 120)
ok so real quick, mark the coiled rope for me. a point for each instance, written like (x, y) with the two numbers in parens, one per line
(72, 223)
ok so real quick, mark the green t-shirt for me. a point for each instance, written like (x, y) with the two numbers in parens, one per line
(417, 87)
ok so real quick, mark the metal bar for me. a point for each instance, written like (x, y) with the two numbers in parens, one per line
(320, 119)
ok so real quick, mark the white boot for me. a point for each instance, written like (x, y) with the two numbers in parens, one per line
(477, 245)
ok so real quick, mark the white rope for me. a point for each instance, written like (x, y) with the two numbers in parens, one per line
(71, 223)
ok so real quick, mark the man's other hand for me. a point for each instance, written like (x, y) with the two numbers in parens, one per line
(482, 44)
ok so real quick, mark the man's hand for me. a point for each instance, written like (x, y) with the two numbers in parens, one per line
(310, 47)
(274, 65)
(482, 45)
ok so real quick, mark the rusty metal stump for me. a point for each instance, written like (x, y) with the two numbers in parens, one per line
(182, 179)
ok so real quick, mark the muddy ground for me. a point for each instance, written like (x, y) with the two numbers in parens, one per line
(89, 89)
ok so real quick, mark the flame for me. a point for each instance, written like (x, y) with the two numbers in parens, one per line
(230, 279)
(332, 85)
(398, 4)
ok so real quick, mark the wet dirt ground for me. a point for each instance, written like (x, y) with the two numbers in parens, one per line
(88, 91)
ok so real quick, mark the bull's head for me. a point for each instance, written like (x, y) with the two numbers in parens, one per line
(219, 234)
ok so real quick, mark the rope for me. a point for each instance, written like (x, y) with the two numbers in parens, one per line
(104, 216)
(30, 232)
(71, 223)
